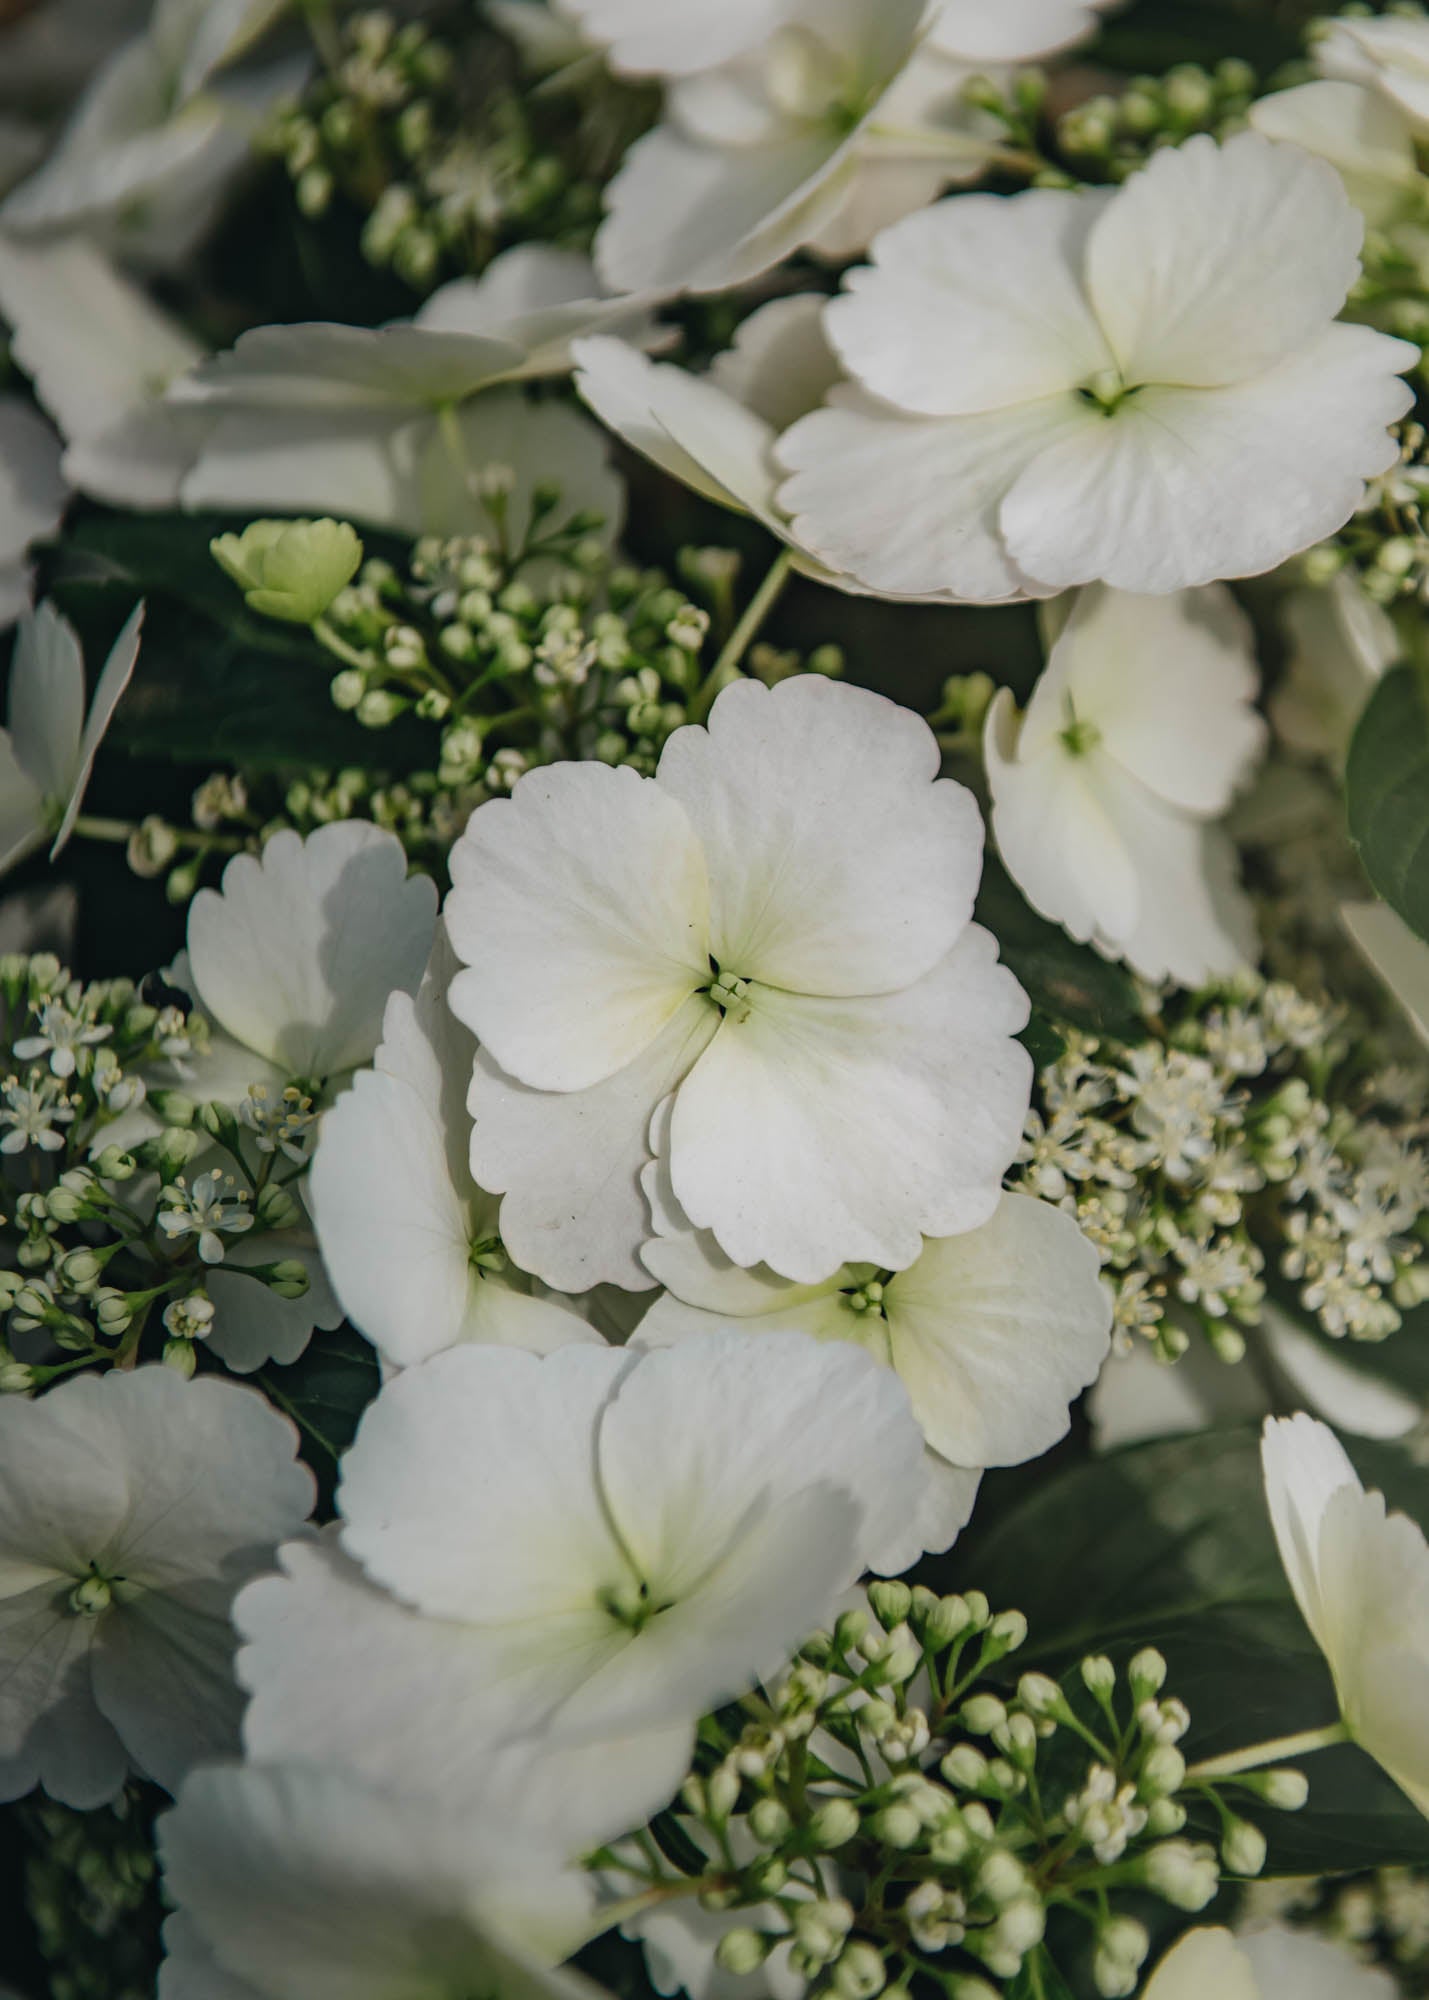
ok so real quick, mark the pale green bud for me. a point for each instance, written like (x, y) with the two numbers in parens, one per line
(722, 1791)
(742, 1951)
(965, 1768)
(946, 1619)
(1007, 1632)
(114, 1164)
(849, 1629)
(80, 1269)
(347, 688)
(1164, 1816)
(288, 1278)
(1285, 1790)
(769, 1821)
(1163, 1773)
(277, 1208)
(1122, 1945)
(90, 1596)
(1020, 1926)
(898, 1826)
(822, 1925)
(379, 707)
(834, 1824)
(290, 569)
(982, 1714)
(1243, 1848)
(859, 1974)
(891, 1603)
(1001, 1877)
(1099, 1676)
(16, 1379)
(174, 1107)
(1182, 1873)
(1147, 1674)
(1041, 1696)
(179, 1355)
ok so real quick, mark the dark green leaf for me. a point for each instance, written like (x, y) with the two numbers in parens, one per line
(1156, 34)
(1067, 983)
(1387, 788)
(325, 1392)
(1170, 1545)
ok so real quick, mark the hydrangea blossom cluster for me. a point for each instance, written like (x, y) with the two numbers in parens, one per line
(1250, 1139)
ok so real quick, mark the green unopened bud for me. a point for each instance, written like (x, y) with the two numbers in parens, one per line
(965, 1768)
(1147, 1674)
(174, 1148)
(80, 1269)
(849, 1629)
(276, 1208)
(1041, 1696)
(347, 688)
(722, 1791)
(859, 1974)
(113, 1312)
(1001, 1876)
(1099, 1676)
(174, 1107)
(1163, 1773)
(743, 1951)
(218, 1121)
(16, 1379)
(64, 1205)
(114, 1164)
(1020, 1926)
(891, 1603)
(1006, 1633)
(290, 569)
(1163, 1817)
(179, 1355)
(769, 1821)
(834, 1825)
(288, 1278)
(946, 1619)
(379, 707)
(10, 1284)
(1122, 1945)
(1243, 1848)
(1287, 1791)
(1182, 1873)
(897, 1826)
(982, 1714)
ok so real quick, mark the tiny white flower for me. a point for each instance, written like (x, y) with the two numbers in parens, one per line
(212, 1208)
(1361, 1579)
(1390, 54)
(409, 1241)
(396, 425)
(775, 929)
(993, 1334)
(61, 1034)
(1399, 957)
(1136, 736)
(295, 1883)
(31, 1110)
(1143, 426)
(595, 1546)
(1366, 138)
(1339, 643)
(49, 748)
(149, 151)
(134, 1504)
(1265, 1965)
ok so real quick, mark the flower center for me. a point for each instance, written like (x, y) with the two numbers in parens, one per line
(730, 993)
(631, 1603)
(1106, 391)
(1080, 738)
(92, 1594)
(488, 1256)
(807, 80)
(867, 1299)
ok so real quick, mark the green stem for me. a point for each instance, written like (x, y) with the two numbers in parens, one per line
(726, 667)
(335, 643)
(119, 830)
(1278, 1751)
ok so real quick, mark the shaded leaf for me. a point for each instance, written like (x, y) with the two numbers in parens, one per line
(325, 1392)
(1387, 793)
(1067, 983)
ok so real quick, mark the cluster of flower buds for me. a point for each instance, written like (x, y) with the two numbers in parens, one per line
(897, 1807)
(1111, 136)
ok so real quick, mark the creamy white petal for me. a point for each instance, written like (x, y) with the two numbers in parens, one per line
(1202, 1963)
(861, 474)
(996, 1332)
(1392, 54)
(580, 908)
(1358, 1402)
(1181, 486)
(974, 305)
(1339, 643)
(323, 365)
(1399, 957)
(1310, 1967)
(633, 396)
(1216, 262)
(114, 678)
(1305, 1466)
(46, 714)
(838, 862)
(51, 1731)
(650, 37)
(945, 1506)
(1364, 136)
(298, 951)
(1014, 30)
(540, 298)
(816, 1132)
(780, 364)
(569, 1162)
(1167, 682)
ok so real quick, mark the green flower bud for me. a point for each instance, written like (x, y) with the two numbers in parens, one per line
(1163, 1817)
(834, 1824)
(114, 1164)
(1147, 1674)
(859, 1974)
(288, 1278)
(1163, 1773)
(16, 1379)
(742, 1951)
(769, 1821)
(179, 1355)
(90, 1596)
(982, 1714)
(1243, 1848)
(1287, 1791)
(1183, 1874)
(290, 569)
(1099, 1676)
(898, 1826)
(891, 1603)
(276, 1208)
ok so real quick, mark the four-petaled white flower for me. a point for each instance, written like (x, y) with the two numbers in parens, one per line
(596, 1547)
(153, 144)
(395, 425)
(1103, 793)
(993, 1334)
(775, 929)
(1391, 54)
(1265, 1965)
(32, 1110)
(49, 748)
(133, 1506)
(409, 1241)
(296, 1883)
(1059, 388)
(1361, 1579)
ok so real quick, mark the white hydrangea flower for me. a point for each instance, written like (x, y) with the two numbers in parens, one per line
(775, 929)
(1264, 1965)
(409, 1241)
(993, 1333)
(295, 954)
(1138, 733)
(48, 750)
(1365, 137)
(1399, 957)
(396, 425)
(33, 493)
(832, 122)
(595, 1547)
(1391, 54)
(1339, 642)
(150, 149)
(1361, 1579)
(296, 1883)
(101, 355)
(134, 1505)
(1143, 426)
